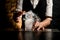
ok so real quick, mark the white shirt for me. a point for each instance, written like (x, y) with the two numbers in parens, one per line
(35, 3)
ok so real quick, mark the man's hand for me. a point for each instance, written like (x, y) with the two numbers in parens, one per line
(18, 18)
(19, 23)
(42, 25)
(38, 26)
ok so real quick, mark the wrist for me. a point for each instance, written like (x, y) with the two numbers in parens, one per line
(46, 22)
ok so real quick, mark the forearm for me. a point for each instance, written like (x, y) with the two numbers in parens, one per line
(49, 10)
(46, 22)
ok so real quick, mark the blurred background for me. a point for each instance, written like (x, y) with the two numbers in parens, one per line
(6, 15)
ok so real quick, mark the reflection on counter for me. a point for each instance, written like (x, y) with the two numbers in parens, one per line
(48, 34)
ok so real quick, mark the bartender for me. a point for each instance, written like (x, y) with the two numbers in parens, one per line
(42, 8)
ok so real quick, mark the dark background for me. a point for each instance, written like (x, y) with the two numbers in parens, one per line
(3, 18)
(6, 14)
(56, 14)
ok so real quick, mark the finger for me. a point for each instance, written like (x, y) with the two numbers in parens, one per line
(38, 28)
(35, 28)
(23, 12)
(43, 28)
(36, 25)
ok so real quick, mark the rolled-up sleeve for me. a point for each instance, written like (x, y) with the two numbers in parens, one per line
(19, 5)
(49, 8)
